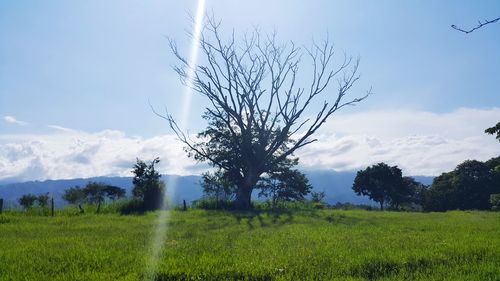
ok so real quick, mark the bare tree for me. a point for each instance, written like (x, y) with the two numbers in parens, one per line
(480, 24)
(256, 108)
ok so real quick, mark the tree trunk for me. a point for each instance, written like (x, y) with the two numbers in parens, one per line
(244, 197)
(244, 192)
(381, 205)
(81, 209)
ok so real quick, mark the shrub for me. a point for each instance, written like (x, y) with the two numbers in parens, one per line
(134, 206)
(495, 202)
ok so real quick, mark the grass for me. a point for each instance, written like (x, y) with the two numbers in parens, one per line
(260, 245)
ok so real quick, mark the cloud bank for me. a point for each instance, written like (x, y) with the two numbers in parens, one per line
(421, 143)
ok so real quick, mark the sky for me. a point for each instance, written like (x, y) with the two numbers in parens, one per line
(77, 79)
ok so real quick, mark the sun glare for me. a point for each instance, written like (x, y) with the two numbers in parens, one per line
(164, 215)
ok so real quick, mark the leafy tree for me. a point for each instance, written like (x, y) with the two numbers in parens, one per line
(317, 197)
(382, 184)
(473, 185)
(27, 200)
(147, 185)
(218, 186)
(494, 130)
(440, 196)
(75, 195)
(95, 193)
(285, 185)
(257, 107)
(467, 187)
(413, 192)
(43, 200)
(495, 202)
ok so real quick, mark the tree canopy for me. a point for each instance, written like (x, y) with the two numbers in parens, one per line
(27, 200)
(468, 186)
(147, 184)
(385, 184)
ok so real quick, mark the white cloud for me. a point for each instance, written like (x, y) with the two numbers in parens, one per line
(13, 120)
(60, 128)
(421, 143)
(73, 154)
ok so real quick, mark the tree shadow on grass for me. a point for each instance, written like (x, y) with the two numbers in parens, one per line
(276, 217)
(263, 218)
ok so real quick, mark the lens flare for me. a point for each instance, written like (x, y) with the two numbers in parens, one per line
(164, 215)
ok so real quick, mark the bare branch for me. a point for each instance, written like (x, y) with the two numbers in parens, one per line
(480, 24)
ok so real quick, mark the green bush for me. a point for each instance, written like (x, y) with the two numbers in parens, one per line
(134, 206)
(495, 202)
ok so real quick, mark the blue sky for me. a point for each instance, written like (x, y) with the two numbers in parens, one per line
(93, 66)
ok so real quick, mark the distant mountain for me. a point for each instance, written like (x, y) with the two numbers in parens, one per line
(336, 185)
(424, 179)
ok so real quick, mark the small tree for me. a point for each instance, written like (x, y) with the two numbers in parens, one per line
(147, 185)
(285, 185)
(317, 197)
(382, 184)
(218, 186)
(75, 195)
(95, 193)
(43, 200)
(27, 201)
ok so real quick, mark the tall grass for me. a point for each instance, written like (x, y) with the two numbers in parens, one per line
(301, 244)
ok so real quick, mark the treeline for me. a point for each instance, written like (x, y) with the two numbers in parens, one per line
(472, 185)
(147, 194)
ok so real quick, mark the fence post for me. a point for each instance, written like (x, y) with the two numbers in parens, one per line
(184, 207)
(52, 206)
(1, 205)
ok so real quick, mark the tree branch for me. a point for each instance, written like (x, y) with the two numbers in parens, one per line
(480, 24)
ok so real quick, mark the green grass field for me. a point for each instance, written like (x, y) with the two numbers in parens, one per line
(290, 245)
